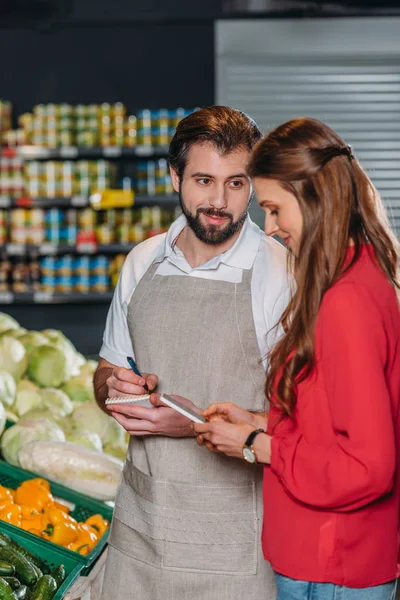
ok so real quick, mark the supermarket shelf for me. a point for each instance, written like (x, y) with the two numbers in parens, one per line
(71, 152)
(48, 248)
(82, 201)
(55, 298)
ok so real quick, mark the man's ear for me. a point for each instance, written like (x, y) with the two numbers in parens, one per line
(175, 180)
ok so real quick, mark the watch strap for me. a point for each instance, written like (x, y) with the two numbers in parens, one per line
(253, 434)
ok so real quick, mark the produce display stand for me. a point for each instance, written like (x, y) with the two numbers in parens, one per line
(81, 506)
(52, 555)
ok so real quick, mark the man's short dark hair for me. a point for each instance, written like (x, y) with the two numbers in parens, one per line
(228, 129)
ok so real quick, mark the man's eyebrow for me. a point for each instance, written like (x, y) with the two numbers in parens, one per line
(236, 176)
(198, 174)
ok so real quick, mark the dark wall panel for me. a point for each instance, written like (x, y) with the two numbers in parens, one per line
(146, 65)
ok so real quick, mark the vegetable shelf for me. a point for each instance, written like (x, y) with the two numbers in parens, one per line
(52, 555)
(82, 508)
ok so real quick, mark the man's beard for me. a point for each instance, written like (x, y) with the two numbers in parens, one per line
(212, 234)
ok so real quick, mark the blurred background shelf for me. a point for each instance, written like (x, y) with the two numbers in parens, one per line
(83, 201)
(55, 298)
(49, 249)
(76, 152)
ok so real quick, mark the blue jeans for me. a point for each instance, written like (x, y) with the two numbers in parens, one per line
(292, 589)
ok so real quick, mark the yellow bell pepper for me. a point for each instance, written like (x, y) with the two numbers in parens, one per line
(86, 535)
(11, 514)
(62, 533)
(83, 549)
(5, 503)
(61, 528)
(34, 494)
(62, 507)
(97, 523)
(45, 484)
(6, 494)
(37, 522)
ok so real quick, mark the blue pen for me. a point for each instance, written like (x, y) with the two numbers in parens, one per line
(134, 368)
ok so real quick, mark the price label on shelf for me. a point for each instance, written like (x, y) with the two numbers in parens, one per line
(79, 201)
(5, 201)
(48, 248)
(15, 249)
(6, 298)
(42, 297)
(68, 152)
(112, 151)
(86, 242)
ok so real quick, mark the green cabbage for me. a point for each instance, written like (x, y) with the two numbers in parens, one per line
(8, 388)
(27, 397)
(85, 438)
(7, 323)
(44, 413)
(90, 416)
(79, 388)
(17, 436)
(32, 339)
(117, 451)
(3, 418)
(56, 401)
(13, 358)
(48, 366)
(15, 333)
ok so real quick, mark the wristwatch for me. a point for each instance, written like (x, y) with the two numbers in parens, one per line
(248, 451)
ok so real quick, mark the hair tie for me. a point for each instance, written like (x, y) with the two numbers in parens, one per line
(350, 152)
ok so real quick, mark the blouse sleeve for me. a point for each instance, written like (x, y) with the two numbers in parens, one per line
(358, 466)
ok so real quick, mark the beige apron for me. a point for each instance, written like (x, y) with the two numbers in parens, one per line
(187, 522)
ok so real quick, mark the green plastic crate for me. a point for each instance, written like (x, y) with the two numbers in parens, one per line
(12, 477)
(50, 555)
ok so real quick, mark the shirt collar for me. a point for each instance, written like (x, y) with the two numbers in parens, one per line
(241, 255)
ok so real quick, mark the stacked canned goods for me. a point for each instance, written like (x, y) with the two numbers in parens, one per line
(64, 125)
(156, 127)
(57, 179)
(5, 118)
(132, 226)
(12, 181)
(82, 274)
(20, 275)
(153, 177)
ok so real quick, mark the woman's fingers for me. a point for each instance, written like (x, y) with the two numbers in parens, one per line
(221, 408)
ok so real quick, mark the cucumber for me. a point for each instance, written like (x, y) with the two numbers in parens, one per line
(13, 581)
(6, 541)
(24, 569)
(6, 568)
(45, 588)
(59, 574)
(22, 593)
(6, 592)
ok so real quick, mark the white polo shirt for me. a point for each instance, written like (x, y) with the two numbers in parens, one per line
(270, 291)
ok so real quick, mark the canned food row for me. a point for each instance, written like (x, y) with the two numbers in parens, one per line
(61, 125)
(65, 275)
(63, 179)
(57, 226)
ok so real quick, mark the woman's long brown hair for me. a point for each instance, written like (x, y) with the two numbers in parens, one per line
(338, 202)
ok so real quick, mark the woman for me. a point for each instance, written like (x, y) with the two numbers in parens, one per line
(331, 445)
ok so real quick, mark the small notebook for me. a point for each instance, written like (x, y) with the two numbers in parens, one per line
(142, 400)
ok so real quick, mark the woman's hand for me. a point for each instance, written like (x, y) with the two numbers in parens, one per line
(231, 413)
(219, 435)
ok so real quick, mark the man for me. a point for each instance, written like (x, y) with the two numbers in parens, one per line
(195, 307)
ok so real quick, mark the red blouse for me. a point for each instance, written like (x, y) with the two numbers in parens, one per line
(332, 491)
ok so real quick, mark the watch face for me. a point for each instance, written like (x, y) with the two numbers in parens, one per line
(249, 455)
